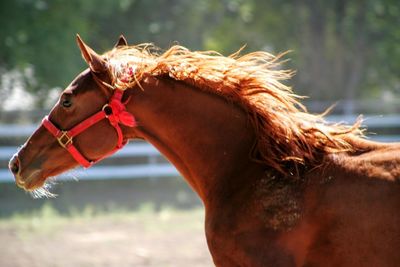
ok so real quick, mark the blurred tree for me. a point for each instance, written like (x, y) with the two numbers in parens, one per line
(342, 48)
(36, 36)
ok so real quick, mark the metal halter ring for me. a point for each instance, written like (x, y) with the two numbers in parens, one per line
(107, 110)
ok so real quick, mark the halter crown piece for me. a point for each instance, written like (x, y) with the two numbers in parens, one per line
(114, 111)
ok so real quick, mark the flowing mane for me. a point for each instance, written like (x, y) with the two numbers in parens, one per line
(286, 132)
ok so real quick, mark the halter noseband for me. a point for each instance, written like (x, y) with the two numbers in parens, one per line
(116, 114)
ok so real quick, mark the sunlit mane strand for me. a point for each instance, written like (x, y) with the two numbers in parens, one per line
(286, 132)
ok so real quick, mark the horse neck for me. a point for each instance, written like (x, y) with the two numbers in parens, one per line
(206, 137)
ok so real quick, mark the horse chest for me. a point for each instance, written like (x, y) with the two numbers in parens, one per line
(243, 244)
(249, 243)
(240, 237)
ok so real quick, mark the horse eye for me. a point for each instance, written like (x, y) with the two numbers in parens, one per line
(66, 103)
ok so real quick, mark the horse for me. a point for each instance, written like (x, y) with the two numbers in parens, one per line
(280, 186)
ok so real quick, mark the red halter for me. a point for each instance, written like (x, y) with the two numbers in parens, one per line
(116, 114)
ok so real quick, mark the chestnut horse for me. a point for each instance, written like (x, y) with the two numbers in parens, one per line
(280, 186)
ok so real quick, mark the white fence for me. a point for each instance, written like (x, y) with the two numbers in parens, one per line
(154, 167)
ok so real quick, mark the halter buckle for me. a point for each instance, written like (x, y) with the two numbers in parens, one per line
(64, 139)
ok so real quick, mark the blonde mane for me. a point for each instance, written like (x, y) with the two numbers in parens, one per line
(285, 131)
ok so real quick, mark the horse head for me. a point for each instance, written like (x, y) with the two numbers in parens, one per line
(85, 121)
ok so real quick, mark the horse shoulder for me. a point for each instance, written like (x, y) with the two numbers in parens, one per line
(353, 200)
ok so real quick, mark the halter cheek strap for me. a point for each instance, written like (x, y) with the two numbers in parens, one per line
(116, 114)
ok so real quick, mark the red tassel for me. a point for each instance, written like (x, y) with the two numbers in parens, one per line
(121, 115)
(127, 119)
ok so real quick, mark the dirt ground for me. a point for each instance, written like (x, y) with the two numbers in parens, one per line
(141, 238)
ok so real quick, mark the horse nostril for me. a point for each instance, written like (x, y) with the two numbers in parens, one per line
(14, 165)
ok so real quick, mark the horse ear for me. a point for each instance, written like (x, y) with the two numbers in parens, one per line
(96, 62)
(121, 41)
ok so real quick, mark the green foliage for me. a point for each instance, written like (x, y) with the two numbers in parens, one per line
(342, 48)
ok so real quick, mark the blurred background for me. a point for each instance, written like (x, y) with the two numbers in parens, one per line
(133, 209)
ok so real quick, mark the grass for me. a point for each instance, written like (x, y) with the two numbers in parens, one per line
(48, 220)
(104, 223)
